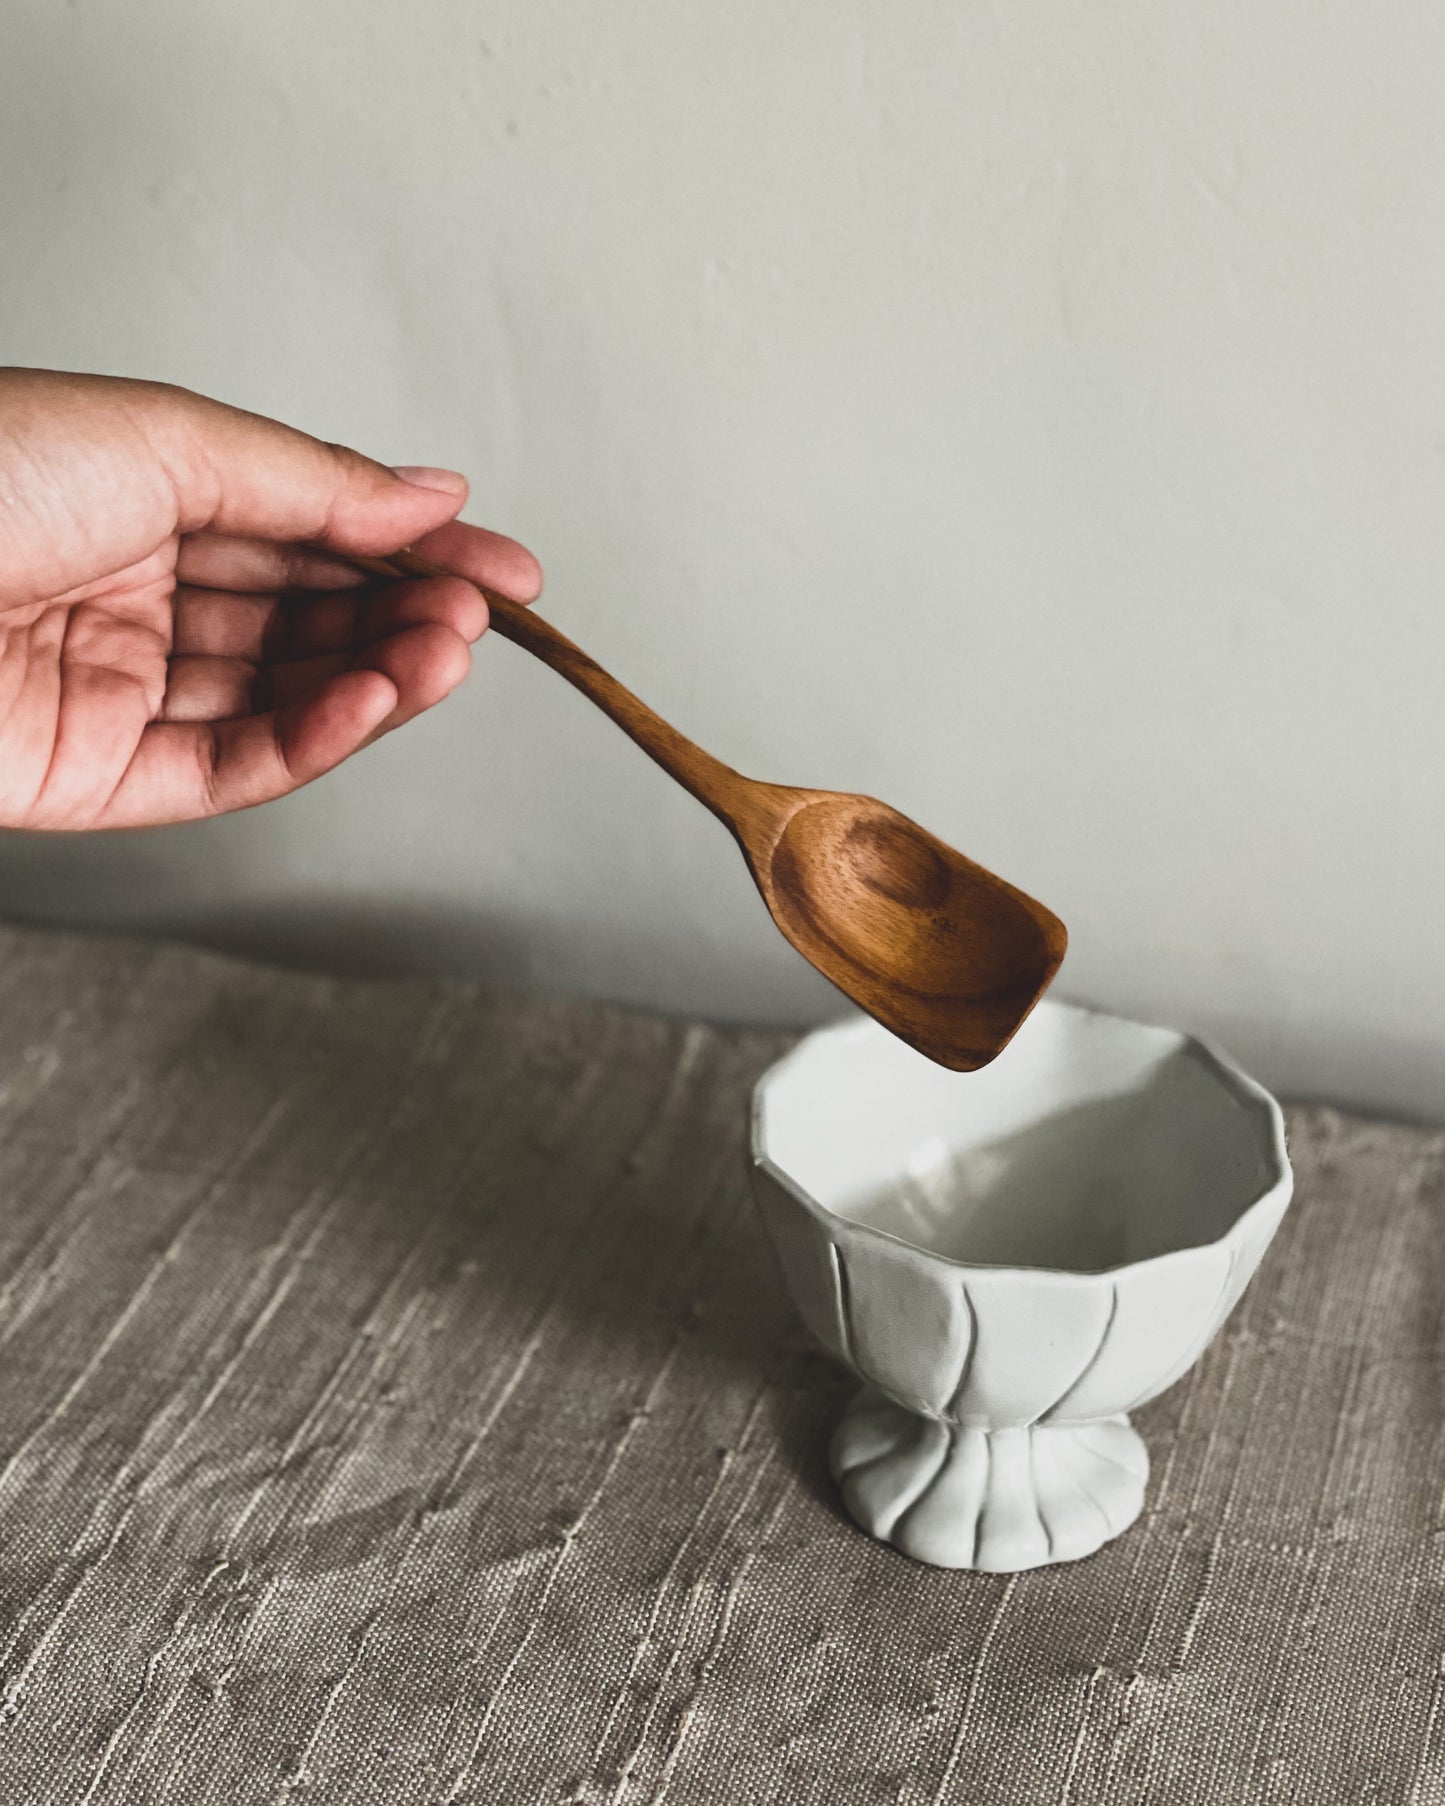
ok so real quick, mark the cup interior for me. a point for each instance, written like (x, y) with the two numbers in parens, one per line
(1091, 1142)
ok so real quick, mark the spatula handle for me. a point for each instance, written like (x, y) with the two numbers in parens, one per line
(715, 785)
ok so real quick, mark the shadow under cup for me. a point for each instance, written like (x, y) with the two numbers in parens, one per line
(1012, 1260)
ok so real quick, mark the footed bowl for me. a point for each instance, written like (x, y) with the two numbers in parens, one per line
(1011, 1261)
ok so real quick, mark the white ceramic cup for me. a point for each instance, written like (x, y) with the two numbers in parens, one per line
(1012, 1260)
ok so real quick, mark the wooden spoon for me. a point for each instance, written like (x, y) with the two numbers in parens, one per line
(936, 948)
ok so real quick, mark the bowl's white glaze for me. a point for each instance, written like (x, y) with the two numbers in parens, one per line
(1035, 1247)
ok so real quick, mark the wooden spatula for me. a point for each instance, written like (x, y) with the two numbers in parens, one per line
(936, 948)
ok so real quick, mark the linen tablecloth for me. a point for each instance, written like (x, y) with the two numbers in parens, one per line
(398, 1402)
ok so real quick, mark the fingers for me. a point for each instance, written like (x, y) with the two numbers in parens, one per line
(335, 623)
(242, 656)
(216, 624)
(425, 663)
(183, 771)
(487, 558)
(240, 473)
(232, 561)
(211, 689)
(225, 561)
(109, 468)
(261, 628)
(253, 494)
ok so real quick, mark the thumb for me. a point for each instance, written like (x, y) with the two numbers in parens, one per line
(240, 473)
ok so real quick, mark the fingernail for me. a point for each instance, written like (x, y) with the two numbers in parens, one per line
(425, 476)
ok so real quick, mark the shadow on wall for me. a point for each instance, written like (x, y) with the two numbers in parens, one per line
(124, 884)
(121, 883)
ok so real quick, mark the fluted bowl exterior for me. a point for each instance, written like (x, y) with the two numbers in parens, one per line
(993, 1346)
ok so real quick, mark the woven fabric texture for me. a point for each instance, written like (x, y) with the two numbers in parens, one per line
(398, 1403)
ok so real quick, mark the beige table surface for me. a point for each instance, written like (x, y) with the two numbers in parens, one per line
(398, 1403)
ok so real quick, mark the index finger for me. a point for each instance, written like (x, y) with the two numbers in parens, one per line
(484, 557)
(231, 561)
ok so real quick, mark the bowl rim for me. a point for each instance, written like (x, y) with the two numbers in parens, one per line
(1246, 1089)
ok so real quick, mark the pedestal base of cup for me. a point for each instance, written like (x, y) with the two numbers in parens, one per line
(992, 1500)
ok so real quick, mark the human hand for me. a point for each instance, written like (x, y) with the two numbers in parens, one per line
(170, 647)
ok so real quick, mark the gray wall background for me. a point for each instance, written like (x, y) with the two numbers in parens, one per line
(1033, 416)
